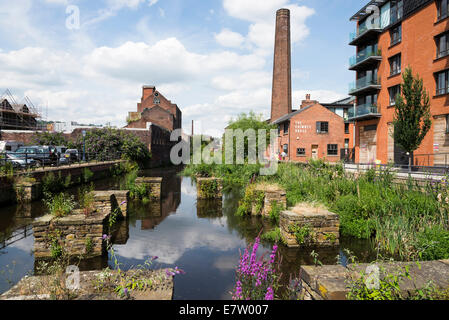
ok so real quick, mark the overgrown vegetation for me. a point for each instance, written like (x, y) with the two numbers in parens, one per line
(102, 144)
(59, 205)
(86, 199)
(407, 221)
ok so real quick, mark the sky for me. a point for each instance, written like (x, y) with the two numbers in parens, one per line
(213, 58)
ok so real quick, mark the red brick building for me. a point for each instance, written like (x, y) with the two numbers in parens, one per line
(316, 131)
(405, 33)
(155, 108)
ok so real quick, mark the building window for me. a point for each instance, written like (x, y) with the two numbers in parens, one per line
(372, 127)
(285, 148)
(286, 127)
(442, 45)
(442, 82)
(394, 91)
(300, 152)
(447, 124)
(442, 9)
(332, 149)
(322, 127)
(396, 35)
(346, 128)
(396, 11)
(395, 65)
(346, 143)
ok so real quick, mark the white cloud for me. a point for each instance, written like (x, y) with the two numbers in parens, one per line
(227, 38)
(262, 15)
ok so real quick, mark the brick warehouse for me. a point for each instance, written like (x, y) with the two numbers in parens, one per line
(155, 108)
(318, 131)
(408, 33)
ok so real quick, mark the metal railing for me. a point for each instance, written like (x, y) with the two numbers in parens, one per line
(33, 161)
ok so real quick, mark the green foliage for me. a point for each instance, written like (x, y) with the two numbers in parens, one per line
(253, 122)
(412, 120)
(274, 236)
(55, 247)
(122, 168)
(388, 288)
(89, 245)
(209, 188)
(60, 204)
(433, 243)
(101, 144)
(253, 198)
(86, 199)
(87, 175)
(303, 233)
(7, 170)
(275, 211)
(50, 139)
(52, 184)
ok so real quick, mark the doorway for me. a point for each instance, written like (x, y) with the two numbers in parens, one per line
(314, 152)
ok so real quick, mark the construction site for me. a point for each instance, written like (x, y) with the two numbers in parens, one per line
(18, 116)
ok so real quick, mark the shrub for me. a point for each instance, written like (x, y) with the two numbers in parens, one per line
(433, 243)
(273, 236)
(275, 211)
(60, 204)
(253, 199)
(86, 199)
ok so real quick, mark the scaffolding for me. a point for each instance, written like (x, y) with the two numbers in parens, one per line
(18, 116)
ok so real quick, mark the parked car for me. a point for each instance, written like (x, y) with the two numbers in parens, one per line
(17, 162)
(43, 155)
(70, 156)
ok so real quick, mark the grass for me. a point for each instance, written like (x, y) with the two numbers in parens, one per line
(405, 221)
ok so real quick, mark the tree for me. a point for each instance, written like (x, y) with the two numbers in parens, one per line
(412, 114)
(252, 121)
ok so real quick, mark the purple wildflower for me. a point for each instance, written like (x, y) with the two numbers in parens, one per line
(270, 294)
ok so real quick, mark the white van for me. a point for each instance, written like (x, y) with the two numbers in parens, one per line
(10, 146)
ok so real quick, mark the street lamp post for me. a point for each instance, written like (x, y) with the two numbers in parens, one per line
(84, 145)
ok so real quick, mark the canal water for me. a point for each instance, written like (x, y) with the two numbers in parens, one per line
(203, 238)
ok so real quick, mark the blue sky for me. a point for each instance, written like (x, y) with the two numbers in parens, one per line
(213, 58)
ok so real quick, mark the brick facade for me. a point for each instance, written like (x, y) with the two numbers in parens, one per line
(302, 134)
(157, 109)
(281, 103)
(418, 50)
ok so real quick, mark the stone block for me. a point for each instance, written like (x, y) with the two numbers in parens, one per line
(318, 226)
(209, 188)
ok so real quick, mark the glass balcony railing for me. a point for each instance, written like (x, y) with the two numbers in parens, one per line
(363, 83)
(363, 55)
(361, 30)
(363, 110)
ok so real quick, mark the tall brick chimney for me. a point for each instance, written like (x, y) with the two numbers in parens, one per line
(281, 101)
(147, 91)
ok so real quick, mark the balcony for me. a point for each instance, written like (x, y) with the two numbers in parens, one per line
(364, 112)
(364, 85)
(364, 34)
(365, 58)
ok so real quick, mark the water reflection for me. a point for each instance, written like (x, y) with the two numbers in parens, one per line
(204, 238)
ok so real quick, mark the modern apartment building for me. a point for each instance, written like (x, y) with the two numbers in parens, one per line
(391, 36)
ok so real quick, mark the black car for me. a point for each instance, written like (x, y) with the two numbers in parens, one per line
(70, 156)
(43, 155)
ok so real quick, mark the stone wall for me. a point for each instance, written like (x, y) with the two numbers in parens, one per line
(75, 234)
(272, 194)
(108, 201)
(28, 191)
(323, 226)
(206, 190)
(154, 185)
